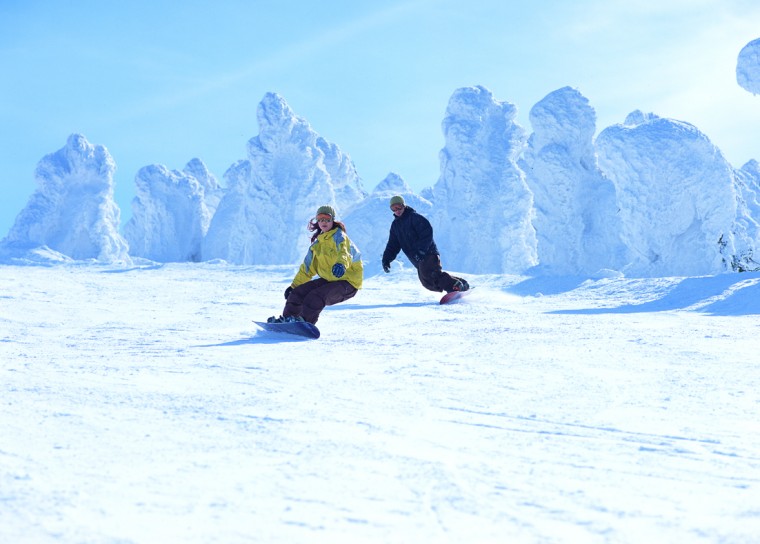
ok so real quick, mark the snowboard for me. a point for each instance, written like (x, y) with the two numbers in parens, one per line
(299, 328)
(448, 298)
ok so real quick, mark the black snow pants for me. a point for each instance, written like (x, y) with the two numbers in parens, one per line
(432, 275)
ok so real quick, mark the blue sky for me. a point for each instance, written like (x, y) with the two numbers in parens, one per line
(163, 82)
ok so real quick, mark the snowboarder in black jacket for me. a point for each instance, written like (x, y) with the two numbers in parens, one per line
(413, 234)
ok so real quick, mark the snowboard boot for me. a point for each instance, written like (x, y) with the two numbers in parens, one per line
(288, 319)
(460, 285)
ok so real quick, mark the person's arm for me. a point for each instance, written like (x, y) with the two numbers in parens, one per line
(306, 270)
(424, 236)
(345, 256)
(391, 249)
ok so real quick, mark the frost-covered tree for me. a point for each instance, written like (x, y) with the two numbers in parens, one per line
(746, 228)
(170, 216)
(482, 205)
(676, 195)
(748, 67)
(72, 211)
(576, 220)
(290, 171)
(212, 190)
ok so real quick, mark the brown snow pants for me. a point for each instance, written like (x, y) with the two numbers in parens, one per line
(309, 299)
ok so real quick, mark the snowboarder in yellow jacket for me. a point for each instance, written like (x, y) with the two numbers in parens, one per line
(335, 259)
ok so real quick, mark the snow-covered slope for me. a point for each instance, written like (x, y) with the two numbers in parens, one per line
(142, 405)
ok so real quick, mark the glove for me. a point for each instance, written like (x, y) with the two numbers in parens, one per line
(338, 270)
(287, 292)
(386, 267)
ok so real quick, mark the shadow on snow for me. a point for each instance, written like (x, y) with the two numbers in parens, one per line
(376, 306)
(546, 285)
(260, 337)
(721, 295)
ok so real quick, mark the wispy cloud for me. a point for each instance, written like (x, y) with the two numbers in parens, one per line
(291, 54)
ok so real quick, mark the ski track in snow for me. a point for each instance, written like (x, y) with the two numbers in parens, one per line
(143, 405)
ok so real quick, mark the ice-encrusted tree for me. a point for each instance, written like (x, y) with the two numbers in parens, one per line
(482, 205)
(270, 196)
(676, 195)
(72, 211)
(748, 67)
(170, 214)
(576, 220)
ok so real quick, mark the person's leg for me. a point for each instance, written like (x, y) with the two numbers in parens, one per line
(433, 277)
(428, 271)
(327, 294)
(294, 304)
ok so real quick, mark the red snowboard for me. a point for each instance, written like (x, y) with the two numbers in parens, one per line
(448, 298)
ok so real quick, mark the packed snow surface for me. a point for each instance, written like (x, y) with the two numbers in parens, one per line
(142, 405)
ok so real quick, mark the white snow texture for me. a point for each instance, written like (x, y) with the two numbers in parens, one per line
(141, 405)
(649, 197)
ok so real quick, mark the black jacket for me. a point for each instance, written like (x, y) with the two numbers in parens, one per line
(412, 234)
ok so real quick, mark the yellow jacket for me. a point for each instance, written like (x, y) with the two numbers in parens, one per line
(331, 248)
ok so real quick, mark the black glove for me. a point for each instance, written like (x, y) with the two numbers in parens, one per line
(338, 270)
(288, 291)
(386, 267)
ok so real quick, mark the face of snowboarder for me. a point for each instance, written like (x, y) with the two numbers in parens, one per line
(325, 222)
(397, 210)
